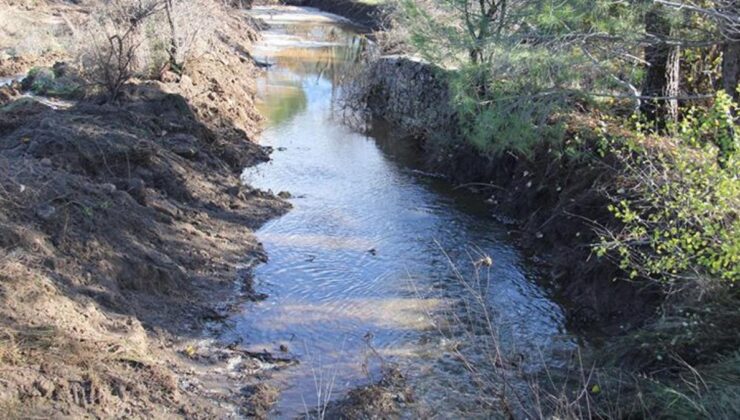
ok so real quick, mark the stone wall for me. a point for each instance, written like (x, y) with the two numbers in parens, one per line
(411, 94)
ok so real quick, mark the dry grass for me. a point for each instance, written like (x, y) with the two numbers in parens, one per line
(501, 380)
(261, 399)
(26, 33)
(128, 38)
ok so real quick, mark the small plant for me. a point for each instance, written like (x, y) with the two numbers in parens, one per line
(109, 57)
(132, 38)
(712, 125)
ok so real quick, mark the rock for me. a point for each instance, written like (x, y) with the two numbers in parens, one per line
(284, 195)
(184, 145)
(44, 387)
(109, 188)
(185, 151)
(241, 192)
(46, 212)
(137, 190)
(46, 162)
(170, 77)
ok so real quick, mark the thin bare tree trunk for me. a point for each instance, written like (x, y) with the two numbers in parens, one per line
(174, 47)
(657, 54)
(731, 68)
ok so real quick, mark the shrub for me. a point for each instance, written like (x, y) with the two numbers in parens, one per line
(131, 38)
(681, 220)
(114, 34)
(59, 82)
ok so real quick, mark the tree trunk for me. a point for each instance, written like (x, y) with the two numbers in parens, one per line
(731, 68)
(673, 83)
(173, 50)
(657, 55)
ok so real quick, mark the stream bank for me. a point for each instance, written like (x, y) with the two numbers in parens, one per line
(556, 200)
(125, 233)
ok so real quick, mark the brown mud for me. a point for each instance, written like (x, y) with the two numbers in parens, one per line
(124, 232)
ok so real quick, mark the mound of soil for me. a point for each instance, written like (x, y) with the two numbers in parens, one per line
(124, 230)
(384, 399)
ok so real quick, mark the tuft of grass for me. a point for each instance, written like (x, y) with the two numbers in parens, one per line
(9, 351)
(710, 391)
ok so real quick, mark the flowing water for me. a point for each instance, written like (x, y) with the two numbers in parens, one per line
(367, 267)
(10, 79)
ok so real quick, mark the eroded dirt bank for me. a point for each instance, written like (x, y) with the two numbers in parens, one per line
(124, 230)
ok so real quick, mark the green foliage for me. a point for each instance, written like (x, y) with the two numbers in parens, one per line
(44, 81)
(514, 122)
(715, 125)
(681, 218)
(504, 89)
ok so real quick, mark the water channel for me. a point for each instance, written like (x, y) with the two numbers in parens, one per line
(377, 261)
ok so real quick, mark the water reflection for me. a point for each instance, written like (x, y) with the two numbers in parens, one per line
(281, 101)
(373, 251)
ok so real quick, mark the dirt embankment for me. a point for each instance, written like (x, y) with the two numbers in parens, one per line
(123, 228)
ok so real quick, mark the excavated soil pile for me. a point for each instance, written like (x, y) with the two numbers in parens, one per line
(123, 228)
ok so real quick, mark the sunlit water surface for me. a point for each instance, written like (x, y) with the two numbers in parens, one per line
(362, 270)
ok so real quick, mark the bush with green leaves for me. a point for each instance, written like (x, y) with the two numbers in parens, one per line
(712, 125)
(680, 208)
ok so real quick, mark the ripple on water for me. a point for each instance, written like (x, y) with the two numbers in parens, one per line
(370, 259)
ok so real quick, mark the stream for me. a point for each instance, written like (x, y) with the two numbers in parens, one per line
(378, 263)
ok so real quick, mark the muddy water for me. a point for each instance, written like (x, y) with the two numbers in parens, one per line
(366, 269)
